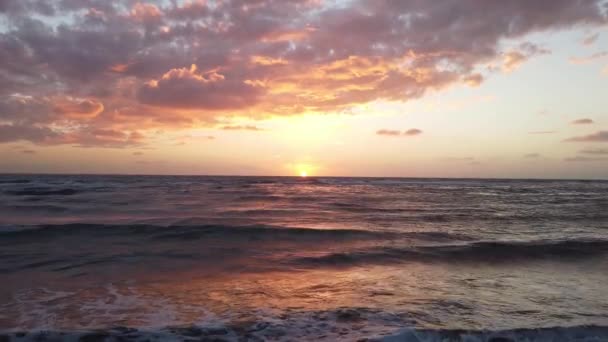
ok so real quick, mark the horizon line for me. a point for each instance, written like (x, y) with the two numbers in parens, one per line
(293, 176)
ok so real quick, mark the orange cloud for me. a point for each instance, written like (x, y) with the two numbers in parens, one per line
(515, 58)
(145, 12)
(264, 60)
(473, 80)
(77, 108)
(128, 66)
(287, 35)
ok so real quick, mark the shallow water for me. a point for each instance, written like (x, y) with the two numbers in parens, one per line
(280, 258)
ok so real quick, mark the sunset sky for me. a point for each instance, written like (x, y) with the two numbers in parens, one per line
(448, 88)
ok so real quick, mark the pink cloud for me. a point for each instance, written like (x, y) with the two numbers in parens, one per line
(191, 89)
(126, 66)
(412, 132)
(601, 136)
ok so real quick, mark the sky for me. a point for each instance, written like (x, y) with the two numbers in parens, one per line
(393, 88)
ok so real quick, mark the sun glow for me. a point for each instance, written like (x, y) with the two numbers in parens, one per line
(303, 174)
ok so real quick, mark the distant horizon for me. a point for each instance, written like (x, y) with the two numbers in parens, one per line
(298, 177)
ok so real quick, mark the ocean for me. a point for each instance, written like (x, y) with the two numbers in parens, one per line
(155, 258)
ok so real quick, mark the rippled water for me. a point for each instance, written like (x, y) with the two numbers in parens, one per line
(276, 258)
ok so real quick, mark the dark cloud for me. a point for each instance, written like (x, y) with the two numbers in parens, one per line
(582, 122)
(28, 151)
(601, 136)
(84, 65)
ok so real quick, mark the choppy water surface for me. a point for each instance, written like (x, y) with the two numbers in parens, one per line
(263, 258)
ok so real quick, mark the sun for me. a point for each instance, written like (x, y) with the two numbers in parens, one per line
(303, 174)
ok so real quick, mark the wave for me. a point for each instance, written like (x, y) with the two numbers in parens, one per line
(484, 251)
(15, 181)
(189, 231)
(576, 333)
(262, 331)
(43, 192)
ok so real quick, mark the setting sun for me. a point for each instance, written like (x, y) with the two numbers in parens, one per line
(303, 174)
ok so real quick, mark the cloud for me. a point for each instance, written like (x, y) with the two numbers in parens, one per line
(594, 151)
(35, 134)
(183, 140)
(513, 59)
(582, 122)
(601, 136)
(466, 160)
(532, 156)
(76, 108)
(592, 58)
(543, 112)
(591, 39)
(79, 66)
(412, 132)
(461, 159)
(473, 80)
(542, 132)
(585, 159)
(191, 89)
(241, 128)
(138, 153)
(89, 137)
(394, 133)
(150, 162)
(146, 12)
(388, 132)
(28, 151)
